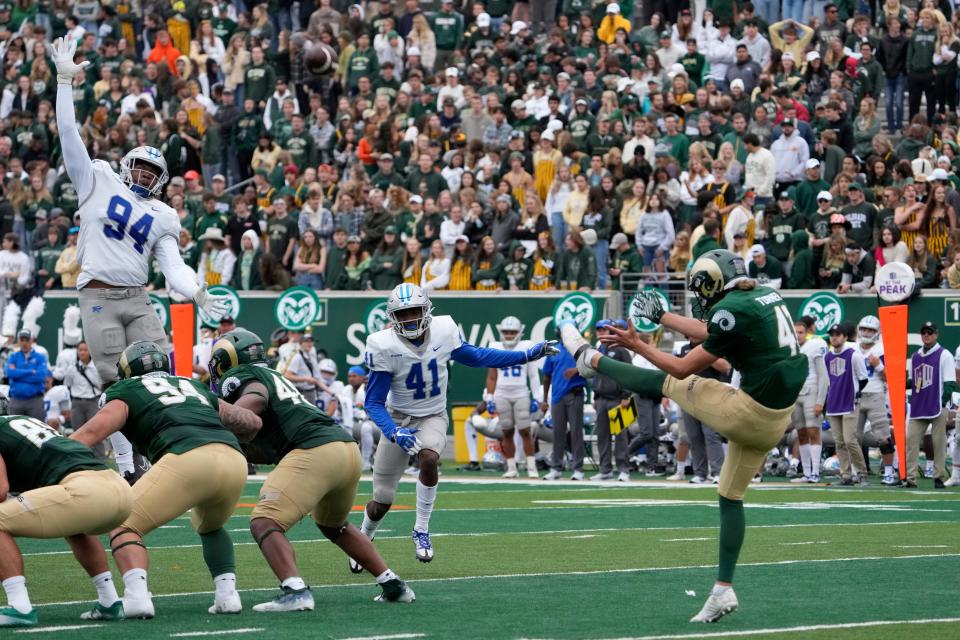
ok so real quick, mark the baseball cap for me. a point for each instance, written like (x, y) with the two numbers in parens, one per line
(307, 336)
(613, 7)
(518, 104)
(926, 327)
(516, 134)
(939, 174)
(836, 329)
(589, 237)
(386, 156)
(618, 240)
(825, 195)
(788, 122)
(357, 370)
(462, 238)
(191, 175)
(785, 195)
(757, 250)
(483, 20)
(413, 51)
(665, 34)
(452, 72)
(74, 230)
(737, 82)
(353, 239)
(219, 178)
(813, 55)
(416, 199)
(854, 186)
(517, 27)
(25, 334)
(178, 181)
(813, 163)
(581, 101)
(390, 229)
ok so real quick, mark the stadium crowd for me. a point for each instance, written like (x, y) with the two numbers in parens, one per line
(500, 144)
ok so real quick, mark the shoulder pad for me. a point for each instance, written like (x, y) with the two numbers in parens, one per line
(445, 328)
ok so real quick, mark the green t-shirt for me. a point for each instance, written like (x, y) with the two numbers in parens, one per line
(782, 227)
(289, 422)
(169, 414)
(37, 456)
(753, 330)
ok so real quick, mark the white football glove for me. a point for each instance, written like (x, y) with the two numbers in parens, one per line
(62, 52)
(214, 306)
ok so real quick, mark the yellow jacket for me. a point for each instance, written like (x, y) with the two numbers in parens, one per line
(609, 25)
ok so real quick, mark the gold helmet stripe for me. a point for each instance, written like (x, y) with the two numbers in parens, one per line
(227, 346)
(124, 364)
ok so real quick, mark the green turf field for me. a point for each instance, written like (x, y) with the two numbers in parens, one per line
(518, 559)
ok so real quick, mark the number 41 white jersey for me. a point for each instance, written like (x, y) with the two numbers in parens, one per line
(118, 231)
(419, 386)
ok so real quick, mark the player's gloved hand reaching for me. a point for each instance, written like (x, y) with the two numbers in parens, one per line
(647, 305)
(214, 306)
(407, 440)
(62, 52)
(534, 405)
(491, 407)
(543, 349)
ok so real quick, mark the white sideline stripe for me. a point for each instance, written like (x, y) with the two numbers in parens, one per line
(685, 539)
(505, 576)
(921, 546)
(224, 632)
(796, 544)
(395, 636)
(486, 534)
(803, 629)
(66, 627)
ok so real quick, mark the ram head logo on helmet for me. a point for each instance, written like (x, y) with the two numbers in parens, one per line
(712, 276)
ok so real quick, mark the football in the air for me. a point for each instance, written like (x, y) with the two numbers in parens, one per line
(320, 59)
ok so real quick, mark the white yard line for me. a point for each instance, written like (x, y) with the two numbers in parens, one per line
(223, 632)
(486, 534)
(685, 539)
(545, 574)
(394, 636)
(780, 630)
(57, 629)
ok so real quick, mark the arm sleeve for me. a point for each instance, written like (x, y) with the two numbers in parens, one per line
(823, 381)
(75, 158)
(378, 385)
(179, 276)
(473, 356)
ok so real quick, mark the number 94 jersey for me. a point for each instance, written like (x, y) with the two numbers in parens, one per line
(419, 385)
(168, 414)
(118, 231)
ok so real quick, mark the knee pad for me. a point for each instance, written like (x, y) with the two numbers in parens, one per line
(333, 533)
(886, 447)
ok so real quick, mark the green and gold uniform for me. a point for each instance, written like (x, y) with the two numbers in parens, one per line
(64, 489)
(318, 463)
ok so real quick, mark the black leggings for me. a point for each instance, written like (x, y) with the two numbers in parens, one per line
(945, 89)
(921, 84)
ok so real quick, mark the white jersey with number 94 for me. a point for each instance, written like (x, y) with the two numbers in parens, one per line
(118, 231)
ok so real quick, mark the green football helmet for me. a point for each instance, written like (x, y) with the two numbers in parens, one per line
(713, 275)
(141, 358)
(233, 349)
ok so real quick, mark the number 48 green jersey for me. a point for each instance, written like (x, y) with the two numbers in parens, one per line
(289, 422)
(169, 414)
(753, 331)
(37, 456)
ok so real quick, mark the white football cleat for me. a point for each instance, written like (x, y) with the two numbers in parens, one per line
(678, 476)
(624, 476)
(579, 348)
(513, 473)
(800, 480)
(717, 606)
(602, 476)
(229, 603)
(138, 607)
(422, 545)
(553, 475)
(288, 600)
(533, 474)
(576, 475)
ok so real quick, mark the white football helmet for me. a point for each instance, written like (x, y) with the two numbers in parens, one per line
(409, 296)
(512, 324)
(328, 366)
(870, 323)
(131, 170)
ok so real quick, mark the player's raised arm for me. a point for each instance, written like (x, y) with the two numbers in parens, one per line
(474, 356)
(75, 158)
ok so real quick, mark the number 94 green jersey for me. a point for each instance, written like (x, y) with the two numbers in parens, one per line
(289, 422)
(752, 330)
(37, 456)
(169, 414)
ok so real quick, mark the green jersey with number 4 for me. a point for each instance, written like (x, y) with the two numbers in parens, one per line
(169, 414)
(753, 331)
(290, 420)
(37, 456)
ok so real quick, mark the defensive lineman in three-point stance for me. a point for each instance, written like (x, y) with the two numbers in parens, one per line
(749, 326)
(197, 466)
(408, 360)
(318, 468)
(508, 395)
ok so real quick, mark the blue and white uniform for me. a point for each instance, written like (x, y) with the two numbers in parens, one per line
(407, 388)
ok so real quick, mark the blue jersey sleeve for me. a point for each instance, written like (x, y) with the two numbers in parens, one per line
(378, 386)
(473, 356)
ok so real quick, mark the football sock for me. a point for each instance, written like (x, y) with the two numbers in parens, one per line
(386, 576)
(135, 583)
(512, 465)
(296, 583)
(805, 460)
(366, 441)
(106, 590)
(647, 383)
(17, 596)
(471, 436)
(425, 498)
(225, 583)
(123, 452)
(815, 451)
(531, 463)
(369, 525)
(218, 552)
(517, 446)
(732, 526)
(888, 470)
(719, 589)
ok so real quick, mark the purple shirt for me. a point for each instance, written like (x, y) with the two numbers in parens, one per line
(927, 383)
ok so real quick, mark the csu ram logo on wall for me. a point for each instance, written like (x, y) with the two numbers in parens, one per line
(825, 308)
(298, 308)
(578, 307)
